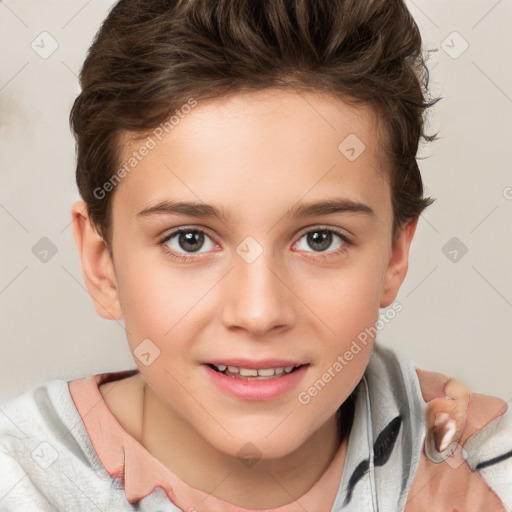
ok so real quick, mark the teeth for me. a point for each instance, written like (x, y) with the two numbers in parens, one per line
(268, 372)
(245, 372)
(251, 372)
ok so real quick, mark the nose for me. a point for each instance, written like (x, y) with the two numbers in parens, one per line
(257, 297)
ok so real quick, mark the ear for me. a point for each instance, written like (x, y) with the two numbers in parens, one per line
(398, 263)
(97, 265)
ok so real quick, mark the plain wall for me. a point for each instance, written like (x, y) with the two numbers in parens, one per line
(456, 315)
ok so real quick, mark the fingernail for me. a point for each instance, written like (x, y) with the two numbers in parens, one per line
(445, 433)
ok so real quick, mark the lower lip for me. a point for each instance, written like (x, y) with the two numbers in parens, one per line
(256, 390)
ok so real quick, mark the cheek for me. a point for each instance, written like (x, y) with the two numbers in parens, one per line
(345, 299)
(152, 303)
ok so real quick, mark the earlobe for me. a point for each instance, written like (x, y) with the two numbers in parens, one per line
(97, 265)
(398, 263)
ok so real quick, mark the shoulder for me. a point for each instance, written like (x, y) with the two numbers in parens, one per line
(474, 473)
(28, 423)
(45, 451)
(34, 412)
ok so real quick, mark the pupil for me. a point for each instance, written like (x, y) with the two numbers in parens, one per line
(324, 239)
(191, 240)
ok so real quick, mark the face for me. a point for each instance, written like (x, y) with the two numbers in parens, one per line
(285, 268)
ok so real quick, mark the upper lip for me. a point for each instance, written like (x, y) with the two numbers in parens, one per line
(251, 364)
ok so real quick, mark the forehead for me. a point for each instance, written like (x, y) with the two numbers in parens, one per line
(244, 148)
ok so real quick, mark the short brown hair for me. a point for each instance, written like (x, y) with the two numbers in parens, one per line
(150, 57)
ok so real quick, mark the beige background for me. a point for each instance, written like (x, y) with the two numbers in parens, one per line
(456, 316)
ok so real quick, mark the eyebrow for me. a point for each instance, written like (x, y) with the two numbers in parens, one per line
(203, 210)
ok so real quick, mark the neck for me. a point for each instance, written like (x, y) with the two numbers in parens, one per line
(270, 483)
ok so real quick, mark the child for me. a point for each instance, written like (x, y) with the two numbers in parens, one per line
(258, 131)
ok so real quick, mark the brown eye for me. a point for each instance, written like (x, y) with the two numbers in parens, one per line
(321, 239)
(184, 242)
(190, 240)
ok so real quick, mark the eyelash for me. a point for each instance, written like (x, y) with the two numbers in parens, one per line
(319, 256)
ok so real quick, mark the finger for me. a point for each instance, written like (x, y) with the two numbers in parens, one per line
(457, 390)
(445, 419)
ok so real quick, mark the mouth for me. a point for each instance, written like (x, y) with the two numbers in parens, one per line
(264, 380)
(237, 372)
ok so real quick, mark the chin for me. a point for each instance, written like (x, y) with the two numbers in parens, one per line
(257, 446)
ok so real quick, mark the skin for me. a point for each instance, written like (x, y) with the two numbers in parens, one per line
(446, 417)
(258, 155)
